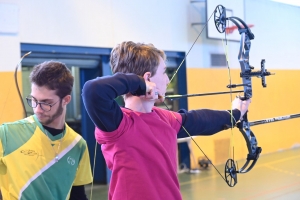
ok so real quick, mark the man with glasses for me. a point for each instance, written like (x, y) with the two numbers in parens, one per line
(41, 157)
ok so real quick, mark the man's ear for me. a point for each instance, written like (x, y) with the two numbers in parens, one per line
(147, 76)
(66, 99)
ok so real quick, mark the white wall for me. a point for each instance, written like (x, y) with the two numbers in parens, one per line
(165, 23)
(276, 33)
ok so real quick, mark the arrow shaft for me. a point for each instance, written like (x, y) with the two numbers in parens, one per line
(274, 119)
(177, 96)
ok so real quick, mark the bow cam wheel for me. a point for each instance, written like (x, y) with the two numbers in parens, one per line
(220, 18)
(230, 173)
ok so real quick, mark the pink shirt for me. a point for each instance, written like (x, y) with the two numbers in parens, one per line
(142, 154)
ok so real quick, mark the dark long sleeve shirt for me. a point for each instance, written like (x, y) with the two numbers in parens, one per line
(99, 94)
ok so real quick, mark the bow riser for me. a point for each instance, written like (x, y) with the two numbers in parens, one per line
(243, 58)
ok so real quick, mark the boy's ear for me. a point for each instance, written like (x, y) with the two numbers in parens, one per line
(147, 76)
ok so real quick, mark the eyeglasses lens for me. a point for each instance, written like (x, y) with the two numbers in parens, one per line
(33, 103)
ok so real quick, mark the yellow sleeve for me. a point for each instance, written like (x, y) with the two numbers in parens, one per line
(84, 173)
(2, 165)
(2, 136)
(3, 168)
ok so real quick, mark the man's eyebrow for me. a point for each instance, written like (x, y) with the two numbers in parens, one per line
(46, 100)
(42, 100)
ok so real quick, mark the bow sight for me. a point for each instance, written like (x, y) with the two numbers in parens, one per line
(260, 74)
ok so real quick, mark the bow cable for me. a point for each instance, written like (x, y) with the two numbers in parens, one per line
(190, 48)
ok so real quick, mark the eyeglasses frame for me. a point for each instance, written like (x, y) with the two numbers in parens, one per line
(39, 103)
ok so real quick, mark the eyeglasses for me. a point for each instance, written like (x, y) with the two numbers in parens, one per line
(33, 103)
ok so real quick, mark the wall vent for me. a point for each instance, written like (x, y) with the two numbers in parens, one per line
(218, 60)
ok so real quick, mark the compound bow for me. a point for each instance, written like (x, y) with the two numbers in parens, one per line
(246, 74)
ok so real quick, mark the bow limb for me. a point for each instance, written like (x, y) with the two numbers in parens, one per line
(17, 86)
(253, 150)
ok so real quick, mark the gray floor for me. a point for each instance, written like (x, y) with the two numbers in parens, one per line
(276, 176)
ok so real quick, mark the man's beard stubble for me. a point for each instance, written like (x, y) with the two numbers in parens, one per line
(55, 115)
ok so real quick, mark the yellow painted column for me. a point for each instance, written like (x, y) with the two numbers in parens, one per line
(10, 104)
